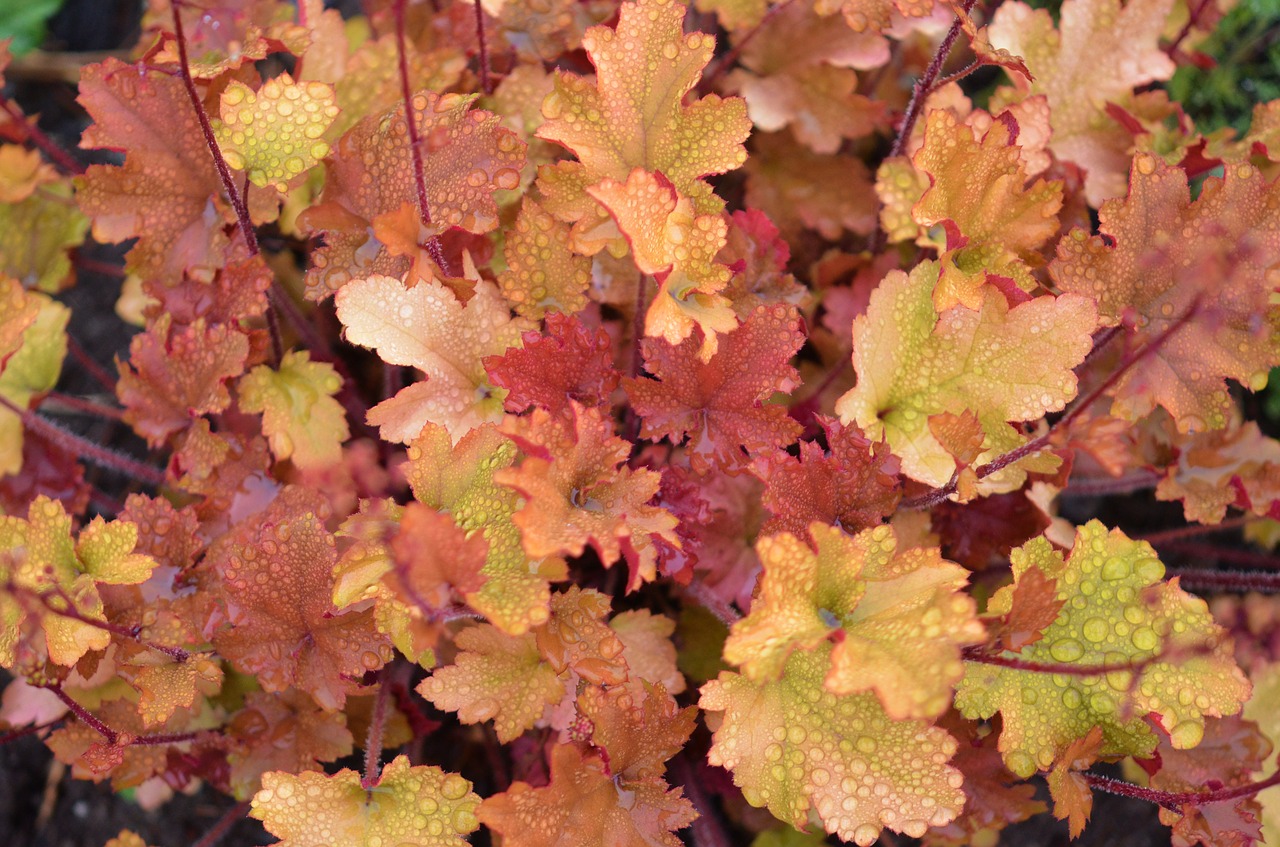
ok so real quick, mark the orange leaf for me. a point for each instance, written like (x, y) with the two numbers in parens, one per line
(1161, 256)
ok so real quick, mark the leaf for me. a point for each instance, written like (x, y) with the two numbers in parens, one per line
(459, 479)
(1100, 52)
(36, 234)
(1233, 750)
(758, 256)
(799, 189)
(800, 750)
(418, 806)
(496, 677)
(1160, 255)
(166, 192)
(632, 115)
(1033, 607)
(567, 363)
(669, 240)
(583, 804)
(1219, 468)
(39, 556)
(647, 647)
(427, 327)
(276, 585)
(1116, 611)
(876, 15)
(543, 273)
(897, 619)
(467, 156)
(577, 640)
(300, 417)
(853, 484)
(913, 362)
(994, 797)
(34, 343)
(800, 75)
(176, 374)
(576, 493)
(638, 725)
(1072, 797)
(283, 732)
(277, 132)
(995, 219)
(721, 405)
(435, 558)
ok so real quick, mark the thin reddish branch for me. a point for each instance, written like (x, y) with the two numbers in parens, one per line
(415, 141)
(82, 448)
(373, 741)
(14, 735)
(219, 163)
(1192, 19)
(486, 83)
(980, 656)
(1204, 579)
(709, 82)
(924, 86)
(132, 633)
(229, 818)
(1106, 486)
(237, 198)
(60, 157)
(1176, 800)
(1247, 558)
(84, 715)
(82, 405)
(90, 364)
(1196, 530)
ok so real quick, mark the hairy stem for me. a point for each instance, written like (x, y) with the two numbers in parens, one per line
(486, 83)
(1175, 800)
(52, 149)
(415, 141)
(373, 741)
(82, 448)
(924, 86)
(229, 818)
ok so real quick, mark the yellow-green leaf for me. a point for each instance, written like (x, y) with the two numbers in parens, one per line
(300, 418)
(408, 807)
(1116, 611)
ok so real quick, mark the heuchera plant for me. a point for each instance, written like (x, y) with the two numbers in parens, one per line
(652, 413)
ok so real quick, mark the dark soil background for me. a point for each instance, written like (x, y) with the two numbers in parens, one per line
(42, 806)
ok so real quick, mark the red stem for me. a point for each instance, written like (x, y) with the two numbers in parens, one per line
(1106, 486)
(709, 82)
(224, 170)
(1208, 551)
(80, 447)
(60, 157)
(133, 633)
(228, 819)
(91, 366)
(14, 735)
(1175, 800)
(373, 742)
(219, 163)
(415, 141)
(486, 84)
(83, 405)
(924, 86)
(980, 656)
(1192, 19)
(86, 717)
(1203, 579)
(1168, 535)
